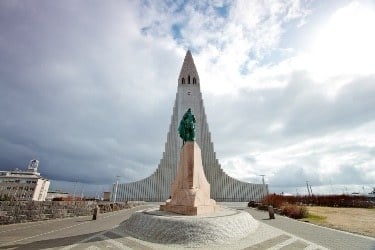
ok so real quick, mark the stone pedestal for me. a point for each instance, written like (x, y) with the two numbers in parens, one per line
(190, 192)
(225, 226)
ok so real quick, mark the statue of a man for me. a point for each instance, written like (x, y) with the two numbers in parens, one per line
(187, 127)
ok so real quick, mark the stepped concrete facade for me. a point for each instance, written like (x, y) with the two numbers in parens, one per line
(157, 187)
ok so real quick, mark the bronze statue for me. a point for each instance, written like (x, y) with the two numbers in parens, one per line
(187, 127)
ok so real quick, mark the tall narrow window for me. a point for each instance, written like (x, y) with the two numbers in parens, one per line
(188, 79)
(183, 80)
(194, 81)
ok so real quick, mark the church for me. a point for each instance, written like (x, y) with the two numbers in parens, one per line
(157, 186)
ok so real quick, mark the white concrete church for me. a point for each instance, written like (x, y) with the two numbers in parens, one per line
(157, 186)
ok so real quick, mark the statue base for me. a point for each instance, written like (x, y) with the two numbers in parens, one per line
(225, 226)
(190, 192)
(188, 210)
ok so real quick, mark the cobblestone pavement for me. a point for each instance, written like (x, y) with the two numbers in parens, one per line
(105, 233)
(329, 238)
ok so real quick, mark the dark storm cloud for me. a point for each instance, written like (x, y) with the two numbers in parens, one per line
(312, 112)
(296, 176)
(303, 109)
(72, 96)
(349, 174)
(313, 126)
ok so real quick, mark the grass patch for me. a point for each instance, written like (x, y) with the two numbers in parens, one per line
(316, 218)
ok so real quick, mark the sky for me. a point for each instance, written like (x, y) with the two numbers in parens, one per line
(88, 87)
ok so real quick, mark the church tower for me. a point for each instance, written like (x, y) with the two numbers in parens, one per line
(157, 186)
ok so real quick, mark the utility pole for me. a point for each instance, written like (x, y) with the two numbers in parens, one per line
(308, 189)
(115, 192)
(263, 178)
(74, 191)
(264, 185)
(82, 192)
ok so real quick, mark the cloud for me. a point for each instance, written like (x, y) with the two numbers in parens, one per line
(225, 45)
(300, 128)
(294, 176)
(78, 103)
(89, 89)
(345, 43)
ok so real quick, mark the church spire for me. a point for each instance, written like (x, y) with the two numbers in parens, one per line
(157, 187)
(188, 73)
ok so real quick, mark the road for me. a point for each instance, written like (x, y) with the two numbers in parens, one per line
(329, 238)
(84, 233)
(60, 232)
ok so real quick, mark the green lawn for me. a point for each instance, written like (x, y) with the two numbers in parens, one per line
(315, 218)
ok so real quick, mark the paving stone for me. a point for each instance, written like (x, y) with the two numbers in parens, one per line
(269, 243)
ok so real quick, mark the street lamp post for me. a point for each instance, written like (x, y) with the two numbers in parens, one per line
(74, 191)
(264, 185)
(115, 191)
(309, 189)
(263, 178)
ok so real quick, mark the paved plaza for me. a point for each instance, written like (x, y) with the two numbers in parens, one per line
(106, 233)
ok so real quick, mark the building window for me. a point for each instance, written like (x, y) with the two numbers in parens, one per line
(194, 81)
(183, 80)
(188, 79)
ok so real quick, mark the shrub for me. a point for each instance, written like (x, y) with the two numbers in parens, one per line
(320, 200)
(294, 211)
(274, 200)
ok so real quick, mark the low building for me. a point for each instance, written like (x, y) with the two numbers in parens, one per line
(106, 196)
(57, 195)
(24, 184)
